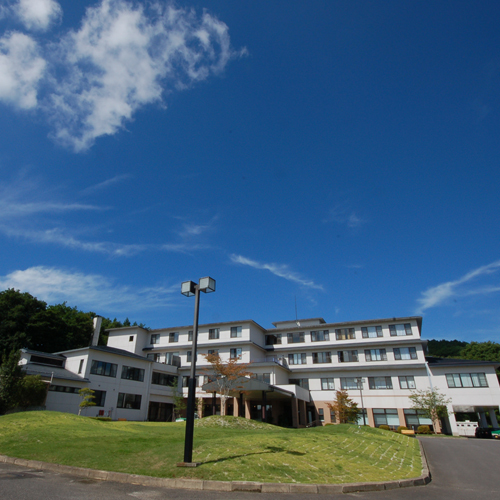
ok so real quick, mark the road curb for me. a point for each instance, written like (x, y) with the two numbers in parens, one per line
(199, 484)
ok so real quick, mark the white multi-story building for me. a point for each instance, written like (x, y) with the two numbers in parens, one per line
(297, 367)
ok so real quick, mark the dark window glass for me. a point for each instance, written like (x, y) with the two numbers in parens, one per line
(131, 373)
(129, 401)
(103, 368)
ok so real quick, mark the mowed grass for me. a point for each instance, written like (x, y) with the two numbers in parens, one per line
(229, 449)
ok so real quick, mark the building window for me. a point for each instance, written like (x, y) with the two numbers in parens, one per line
(380, 382)
(235, 332)
(320, 335)
(171, 358)
(370, 332)
(333, 417)
(466, 380)
(173, 337)
(400, 330)
(273, 339)
(63, 388)
(214, 352)
(345, 334)
(347, 356)
(414, 418)
(129, 401)
(185, 381)
(386, 416)
(190, 336)
(295, 337)
(155, 338)
(103, 368)
(375, 355)
(99, 398)
(131, 338)
(407, 382)
(164, 379)
(263, 377)
(298, 358)
(405, 353)
(321, 414)
(235, 353)
(189, 356)
(327, 384)
(213, 333)
(322, 357)
(301, 382)
(131, 373)
(349, 383)
(80, 368)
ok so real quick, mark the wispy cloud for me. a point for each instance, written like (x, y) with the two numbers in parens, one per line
(94, 291)
(280, 270)
(105, 184)
(345, 217)
(462, 287)
(126, 54)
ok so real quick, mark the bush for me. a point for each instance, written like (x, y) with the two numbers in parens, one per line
(402, 428)
(384, 427)
(424, 429)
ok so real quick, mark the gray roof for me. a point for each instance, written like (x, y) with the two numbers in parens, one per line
(110, 350)
(437, 362)
(50, 372)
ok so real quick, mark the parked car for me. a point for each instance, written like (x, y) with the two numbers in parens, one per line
(496, 434)
(483, 433)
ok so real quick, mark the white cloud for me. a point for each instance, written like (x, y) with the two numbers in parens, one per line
(280, 270)
(37, 14)
(437, 295)
(125, 56)
(94, 291)
(21, 69)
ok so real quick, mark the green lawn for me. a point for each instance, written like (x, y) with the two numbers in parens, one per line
(240, 450)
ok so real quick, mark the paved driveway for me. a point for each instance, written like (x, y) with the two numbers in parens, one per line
(462, 469)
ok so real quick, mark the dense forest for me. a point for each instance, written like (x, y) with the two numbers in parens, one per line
(26, 322)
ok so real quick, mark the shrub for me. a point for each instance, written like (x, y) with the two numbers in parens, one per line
(384, 427)
(424, 429)
(402, 428)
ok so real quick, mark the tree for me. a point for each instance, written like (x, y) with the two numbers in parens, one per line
(486, 351)
(227, 376)
(345, 409)
(33, 391)
(87, 396)
(11, 375)
(446, 348)
(431, 403)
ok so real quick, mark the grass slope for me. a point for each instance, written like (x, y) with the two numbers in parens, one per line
(230, 449)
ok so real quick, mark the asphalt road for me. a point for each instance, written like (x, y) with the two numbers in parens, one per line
(461, 469)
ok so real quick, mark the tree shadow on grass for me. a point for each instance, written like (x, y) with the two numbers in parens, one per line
(269, 449)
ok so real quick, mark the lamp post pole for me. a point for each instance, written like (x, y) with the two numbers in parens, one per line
(189, 289)
(360, 383)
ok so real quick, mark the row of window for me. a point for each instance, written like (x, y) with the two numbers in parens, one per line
(340, 334)
(213, 334)
(385, 383)
(349, 383)
(351, 356)
(130, 373)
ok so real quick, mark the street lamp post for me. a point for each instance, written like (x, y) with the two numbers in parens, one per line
(360, 385)
(189, 288)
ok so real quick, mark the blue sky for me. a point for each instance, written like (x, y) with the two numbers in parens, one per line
(340, 156)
